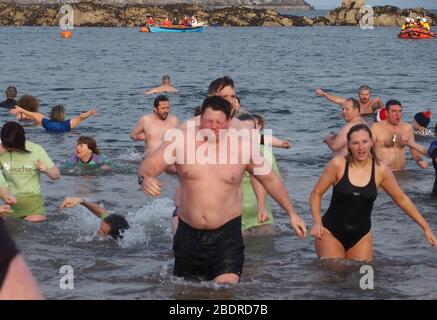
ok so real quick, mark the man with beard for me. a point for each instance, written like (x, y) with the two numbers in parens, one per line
(367, 105)
(151, 127)
(389, 138)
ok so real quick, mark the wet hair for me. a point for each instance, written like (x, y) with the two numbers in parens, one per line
(357, 128)
(392, 102)
(166, 79)
(364, 88)
(355, 103)
(13, 136)
(117, 224)
(11, 92)
(58, 113)
(218, 84)
(90, 142)
(158, 99)
(29, 103)
(260, 119)
(217, 103)
(247, 117)
(197, 111)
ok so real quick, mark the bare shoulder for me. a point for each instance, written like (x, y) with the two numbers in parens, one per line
(406, 126)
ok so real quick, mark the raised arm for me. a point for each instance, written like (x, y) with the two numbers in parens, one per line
(278, 143)
(330, 97)
(32, 115)
(70, 202)
(327, 179)
(390, 185)
(74, 122)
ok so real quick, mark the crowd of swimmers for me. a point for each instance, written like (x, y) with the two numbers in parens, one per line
(208, 230)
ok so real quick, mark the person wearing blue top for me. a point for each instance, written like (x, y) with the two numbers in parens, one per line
(57, 122)
(87, 155)
(431, 152)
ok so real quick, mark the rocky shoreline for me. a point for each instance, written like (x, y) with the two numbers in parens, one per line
(90, 13)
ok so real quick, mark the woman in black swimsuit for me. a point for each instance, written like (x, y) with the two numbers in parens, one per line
(344, 230)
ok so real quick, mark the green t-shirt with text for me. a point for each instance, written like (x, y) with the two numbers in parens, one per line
(19, 169)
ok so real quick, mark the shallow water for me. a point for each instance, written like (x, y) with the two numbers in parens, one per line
(276, 71)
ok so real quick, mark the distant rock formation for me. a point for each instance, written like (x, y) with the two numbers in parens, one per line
(95, 13)
(384, 16)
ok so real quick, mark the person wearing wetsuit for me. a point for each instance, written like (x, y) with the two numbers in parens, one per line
(344, 232)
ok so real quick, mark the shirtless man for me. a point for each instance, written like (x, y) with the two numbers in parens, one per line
(389, 136)
(368, 106)
(151, 127)
(351, 114)
(165, 87)
(208, 241)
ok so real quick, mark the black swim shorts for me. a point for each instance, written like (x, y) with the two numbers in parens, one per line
(208, 253)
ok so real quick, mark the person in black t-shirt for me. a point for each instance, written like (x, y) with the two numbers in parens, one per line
(9, 103)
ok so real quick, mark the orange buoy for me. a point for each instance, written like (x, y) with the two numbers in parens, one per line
(66, 34)
(144, 29)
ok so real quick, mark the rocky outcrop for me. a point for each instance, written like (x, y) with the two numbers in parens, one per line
(94, 13)
(351, 12)
(91, 13)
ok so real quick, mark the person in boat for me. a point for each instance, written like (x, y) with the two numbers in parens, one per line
(425, 25)
(166, 23)
(150, 21)
(406, 24)
(420, 124)
(186, 22)
(194, 21)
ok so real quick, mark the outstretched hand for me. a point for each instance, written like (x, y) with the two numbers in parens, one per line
(70, 202)
(299, 226)
(16, 110)
(320, 93)
(4, 210)
(431, 238)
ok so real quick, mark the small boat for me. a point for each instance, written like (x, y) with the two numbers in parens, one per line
(416, 33)
(177, 29)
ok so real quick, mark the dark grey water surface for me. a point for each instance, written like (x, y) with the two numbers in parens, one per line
(276, 71)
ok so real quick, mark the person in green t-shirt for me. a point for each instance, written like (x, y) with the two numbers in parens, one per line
(111, 225)
(21, 163)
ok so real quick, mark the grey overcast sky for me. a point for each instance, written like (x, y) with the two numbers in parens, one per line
(329, 4)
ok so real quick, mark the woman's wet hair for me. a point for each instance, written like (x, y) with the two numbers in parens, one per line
(357, 128)
(13, 137)
(118, 225)
(247, 117)
(29, 103)
(217, 103)
(90, 142)
(58, 113)
(260, 119)
(218, 84)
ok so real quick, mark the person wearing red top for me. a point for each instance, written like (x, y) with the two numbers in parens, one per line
(150, 21)
(166, 23)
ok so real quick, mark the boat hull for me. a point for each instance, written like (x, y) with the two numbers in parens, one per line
(416, 33)
(177, 29)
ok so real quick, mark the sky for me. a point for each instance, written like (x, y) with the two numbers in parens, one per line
(329, 4)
